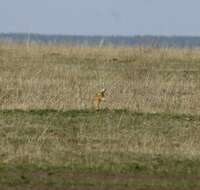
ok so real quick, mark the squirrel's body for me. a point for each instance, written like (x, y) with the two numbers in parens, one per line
(100, 96)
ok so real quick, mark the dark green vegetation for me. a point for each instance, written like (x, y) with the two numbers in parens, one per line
(107, 149)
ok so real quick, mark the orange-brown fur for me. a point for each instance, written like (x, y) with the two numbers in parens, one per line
(100, 96)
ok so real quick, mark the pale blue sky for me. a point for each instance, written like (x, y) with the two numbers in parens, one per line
(104, 17)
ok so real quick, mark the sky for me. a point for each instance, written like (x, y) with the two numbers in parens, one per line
(101, 17)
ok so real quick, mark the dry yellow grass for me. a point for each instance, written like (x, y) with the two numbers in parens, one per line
(129, 138)
(65, 77)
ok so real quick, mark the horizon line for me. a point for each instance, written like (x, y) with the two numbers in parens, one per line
(100, 35)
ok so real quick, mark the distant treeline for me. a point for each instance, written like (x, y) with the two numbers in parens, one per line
(148, 40)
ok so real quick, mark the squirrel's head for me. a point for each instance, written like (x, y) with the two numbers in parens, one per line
(103, 91)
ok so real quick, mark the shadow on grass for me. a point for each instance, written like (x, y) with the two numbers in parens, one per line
(66, 112)
(90, 112)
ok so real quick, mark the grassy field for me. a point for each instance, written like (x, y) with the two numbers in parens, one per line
(146, 135)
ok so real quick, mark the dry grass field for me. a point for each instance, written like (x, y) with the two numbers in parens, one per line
(64, 78)
(145, 136)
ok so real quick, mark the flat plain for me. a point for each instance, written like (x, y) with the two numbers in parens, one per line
(145, 136)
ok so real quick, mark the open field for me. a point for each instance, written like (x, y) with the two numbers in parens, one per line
(146, 136)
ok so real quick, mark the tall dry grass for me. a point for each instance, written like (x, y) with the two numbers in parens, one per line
(65, 77)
